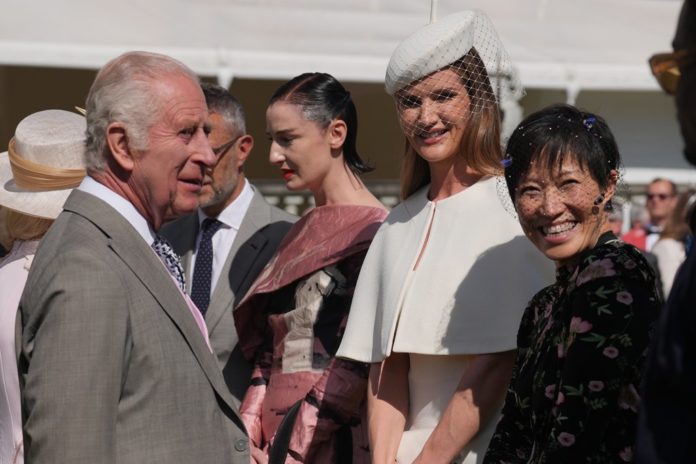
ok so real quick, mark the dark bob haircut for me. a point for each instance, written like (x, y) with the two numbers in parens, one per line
(558, 131)
(323, 99)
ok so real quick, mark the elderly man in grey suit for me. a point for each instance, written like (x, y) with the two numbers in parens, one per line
(231, 237)
(115, 363)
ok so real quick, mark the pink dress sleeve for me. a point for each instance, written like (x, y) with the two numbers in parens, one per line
(251, 406)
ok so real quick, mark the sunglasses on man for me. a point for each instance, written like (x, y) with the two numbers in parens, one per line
(666, 67)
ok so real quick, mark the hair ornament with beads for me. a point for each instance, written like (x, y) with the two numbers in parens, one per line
(589, 122)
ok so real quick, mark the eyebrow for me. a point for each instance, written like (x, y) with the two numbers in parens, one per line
(568, 171)
(548, 174)
(444, 89)
(280, 132)
(429, 93)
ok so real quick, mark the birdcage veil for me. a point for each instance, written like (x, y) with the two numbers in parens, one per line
(562, 170)
(463, 44)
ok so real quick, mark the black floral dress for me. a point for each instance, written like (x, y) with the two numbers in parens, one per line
(582, 347)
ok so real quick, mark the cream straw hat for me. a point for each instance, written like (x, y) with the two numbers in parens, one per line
(44, 162)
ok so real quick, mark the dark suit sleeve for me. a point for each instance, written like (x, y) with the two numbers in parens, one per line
(75, 340)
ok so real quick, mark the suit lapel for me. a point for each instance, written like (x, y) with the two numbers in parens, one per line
(245, 250)
(146, 266)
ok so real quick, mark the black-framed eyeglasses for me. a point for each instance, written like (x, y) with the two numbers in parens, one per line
(224, 148)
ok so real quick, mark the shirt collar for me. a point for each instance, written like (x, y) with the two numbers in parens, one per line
(124, 207)
(232, 216)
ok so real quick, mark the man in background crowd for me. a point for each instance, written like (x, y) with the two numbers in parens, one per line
(661, 198)
(615, 218)
(230, 238)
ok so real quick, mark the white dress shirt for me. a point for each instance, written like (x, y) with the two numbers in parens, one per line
(231, 219)
(120, 204)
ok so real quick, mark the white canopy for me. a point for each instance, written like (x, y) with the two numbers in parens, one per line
(564, 44)
(570, 45)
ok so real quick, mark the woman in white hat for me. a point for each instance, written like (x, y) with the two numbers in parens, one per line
(43, 163)
(440, 296)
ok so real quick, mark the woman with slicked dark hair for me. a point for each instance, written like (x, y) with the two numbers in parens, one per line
(303, 404)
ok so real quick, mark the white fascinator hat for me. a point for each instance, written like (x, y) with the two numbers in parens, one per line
(45, 160)
(466, 39)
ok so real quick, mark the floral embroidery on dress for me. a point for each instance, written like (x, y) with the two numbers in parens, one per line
(582, 347)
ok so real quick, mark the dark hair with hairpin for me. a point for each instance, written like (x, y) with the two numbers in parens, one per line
(556, 132)
(323, 99)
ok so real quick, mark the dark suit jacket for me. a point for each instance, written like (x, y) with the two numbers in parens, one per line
(667, 421)
(259, 235)
(112, 364)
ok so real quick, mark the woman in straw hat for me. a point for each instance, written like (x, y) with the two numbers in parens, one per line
(440, 296)
(43, 163)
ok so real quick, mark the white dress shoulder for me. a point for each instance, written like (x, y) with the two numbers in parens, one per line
(475, 275)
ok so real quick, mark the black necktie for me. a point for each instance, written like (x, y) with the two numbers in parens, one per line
(203, 269)
(170, 259)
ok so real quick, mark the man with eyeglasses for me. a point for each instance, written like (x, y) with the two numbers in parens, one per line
(661, 198)
(227, 242)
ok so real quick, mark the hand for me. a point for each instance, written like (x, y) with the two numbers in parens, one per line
(257, 456)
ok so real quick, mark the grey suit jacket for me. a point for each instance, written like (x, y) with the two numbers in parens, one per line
(259, 235)
(113, 367)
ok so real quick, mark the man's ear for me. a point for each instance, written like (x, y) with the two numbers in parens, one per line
(117, 140)
(244, 146)
(337, 133)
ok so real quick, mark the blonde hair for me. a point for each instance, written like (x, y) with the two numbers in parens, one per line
(19, 226)
(480, 144)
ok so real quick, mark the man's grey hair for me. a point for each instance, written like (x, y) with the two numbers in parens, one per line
(123, 92)
(222, 102)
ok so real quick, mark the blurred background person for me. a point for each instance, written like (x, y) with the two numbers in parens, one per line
(583, 340)
(661, 198)
(303, 402)
(230, 238)
(637, 234)
(675, 241)
(440, 296)
(615, 217)
(44, 161)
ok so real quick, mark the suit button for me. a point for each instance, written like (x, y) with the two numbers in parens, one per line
(241, 445)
